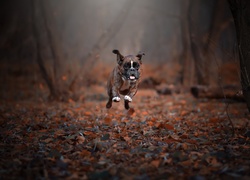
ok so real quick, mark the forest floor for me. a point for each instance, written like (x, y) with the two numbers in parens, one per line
(160, 137)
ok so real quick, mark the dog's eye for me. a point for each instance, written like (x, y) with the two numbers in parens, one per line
(136, 65)
(126, 66)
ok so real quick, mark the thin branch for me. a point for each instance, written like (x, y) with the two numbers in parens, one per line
(226, 102)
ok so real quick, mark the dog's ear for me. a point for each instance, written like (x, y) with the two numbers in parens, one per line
(119, 56)
(139, 56)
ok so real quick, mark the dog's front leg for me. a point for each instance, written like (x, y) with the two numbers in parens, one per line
(115, 91)
(129, 96)
(115, 95)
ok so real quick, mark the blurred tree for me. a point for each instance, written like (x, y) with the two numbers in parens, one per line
(241, 13)
(42, 23)
(196, 44)
(44, 26)
(218, 24)
(186, 59)
(66, 38)
(201, 43)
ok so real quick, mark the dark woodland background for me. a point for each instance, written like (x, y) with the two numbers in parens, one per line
(189, 119)
(53, 48)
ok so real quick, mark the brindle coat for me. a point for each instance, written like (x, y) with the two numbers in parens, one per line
(124, 80)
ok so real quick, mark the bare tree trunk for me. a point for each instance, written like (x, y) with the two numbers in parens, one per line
(37, 37)
(215, 23)
(186, 59)
(241, 13)
(54, 45)
(42, 23)
(205, 62)
(201, 71)
(217, 26)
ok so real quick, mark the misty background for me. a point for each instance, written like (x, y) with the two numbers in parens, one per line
(62, 45)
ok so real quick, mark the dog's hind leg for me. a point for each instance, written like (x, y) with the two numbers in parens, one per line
(109, 103)
(126, 104)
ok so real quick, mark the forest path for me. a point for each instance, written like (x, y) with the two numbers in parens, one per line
(160, 137)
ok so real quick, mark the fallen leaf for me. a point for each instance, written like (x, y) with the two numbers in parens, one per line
(155, 163)
(80, 139)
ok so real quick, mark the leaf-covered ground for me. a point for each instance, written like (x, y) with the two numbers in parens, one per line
(161, 137)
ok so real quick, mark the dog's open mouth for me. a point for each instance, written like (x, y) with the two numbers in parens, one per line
(132, 77)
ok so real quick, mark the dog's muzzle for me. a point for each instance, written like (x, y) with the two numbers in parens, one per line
(132, 74)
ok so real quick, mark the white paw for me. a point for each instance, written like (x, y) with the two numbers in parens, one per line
(128, 98)
(116, 99)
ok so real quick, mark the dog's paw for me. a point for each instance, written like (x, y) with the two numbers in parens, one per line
(127, 98)
(116, 99)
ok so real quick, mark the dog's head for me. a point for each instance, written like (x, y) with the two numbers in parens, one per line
(129, 66)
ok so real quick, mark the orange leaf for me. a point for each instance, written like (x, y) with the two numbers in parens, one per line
(175, 137)
(155, 163)
(184, 136)
(107, 119)
(159, 125)
(85, 153)
(150, 123)
(87, 133)
(169, 127)
(184, 113)
(48, 140)
(126, 138)
(80, 139)
(87, 113)
(191, 141)
(130, 112)
(178, 118)
(144, 113)
(186, 163)
(214, 120)
(184, 146)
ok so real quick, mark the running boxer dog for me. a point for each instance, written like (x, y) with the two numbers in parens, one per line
(124, 78)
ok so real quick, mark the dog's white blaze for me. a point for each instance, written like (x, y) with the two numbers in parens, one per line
(132, 64)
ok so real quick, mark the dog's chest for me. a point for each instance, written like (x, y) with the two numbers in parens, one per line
(125, 86)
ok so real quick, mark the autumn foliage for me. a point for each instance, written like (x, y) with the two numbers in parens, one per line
(161, 137)
(189, 119)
